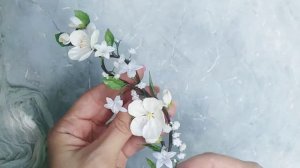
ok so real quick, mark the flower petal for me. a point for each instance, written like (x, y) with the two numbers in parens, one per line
(76, 53)
(90, 28)
(94, 38)
(77, 36)
(137, 125)
(152, 130)
(136, 108)
(152, 105)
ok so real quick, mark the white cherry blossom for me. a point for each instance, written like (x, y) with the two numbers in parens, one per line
(177, 142)
(167, 128)
(141, 85)
(182, 147)
(83, 42)
(64, 38)
(176, 135)
(149, 119)
(103, 50)
(164, 158)
(115, 105)
(130, 69)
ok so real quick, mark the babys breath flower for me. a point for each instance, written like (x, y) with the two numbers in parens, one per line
(75, 22)
(115, 105)
(149, 119)
(177, 142)
(167, 97)
(182, 147)
(103, 50)
(132, 51)
(83, 42)
(176, 135)
(141, 85)
(164, 158)
(175, 125)
(64, 38)
(181, 156)
(130, 69)
(105, 75)
(167, 128)
(134, 95)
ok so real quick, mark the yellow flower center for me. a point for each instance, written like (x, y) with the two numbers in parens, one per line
(150, 115)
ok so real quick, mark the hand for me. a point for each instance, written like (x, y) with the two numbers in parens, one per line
(212, 160)
(82, 139)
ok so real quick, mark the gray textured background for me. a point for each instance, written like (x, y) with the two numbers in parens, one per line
(232, 65)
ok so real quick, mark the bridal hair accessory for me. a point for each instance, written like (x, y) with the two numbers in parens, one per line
(149, 111)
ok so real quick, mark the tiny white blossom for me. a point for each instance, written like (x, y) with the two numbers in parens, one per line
(177, 142)
(103, 50)
(164, 158)
(115, 105)
(117, 76)
(141, 85)
(182, 147)
(176, 135)
(105, 75)
(175, 125)
(64, 38)
(134, 95)
(75, 22)
(167, 97)
(181, 156)
(167, 128)
(132, 51)
(130, 69)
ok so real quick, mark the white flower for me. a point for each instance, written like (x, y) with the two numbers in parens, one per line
(175, 125)
(141, 85)
(182, 147)
(167, 97)
(132, 51)
(105, 75)
(115, 105)
(130, 69)
(84, 43)
(75, 22)
(164, 158)
(64, 38)
(117, 76)
(177, 142)
(167, 128)
(149, 119)
(176, 135)
(103, 50)
(181, 156)
(134, 95)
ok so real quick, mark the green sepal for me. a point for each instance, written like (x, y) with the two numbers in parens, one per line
(83, 17)
(60, 43)
(154, 147)
(152, 90)
(109, 37)
(150, 163)
(113, 83)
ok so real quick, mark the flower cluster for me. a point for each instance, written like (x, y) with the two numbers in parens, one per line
(151, 119)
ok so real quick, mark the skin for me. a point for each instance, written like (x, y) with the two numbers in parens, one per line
(81, 138)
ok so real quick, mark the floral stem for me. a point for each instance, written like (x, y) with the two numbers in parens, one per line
(104, 67)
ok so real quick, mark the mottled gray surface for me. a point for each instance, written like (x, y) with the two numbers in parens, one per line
(233, 66)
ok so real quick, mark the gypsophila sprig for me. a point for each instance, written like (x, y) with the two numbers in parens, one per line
(149, 111)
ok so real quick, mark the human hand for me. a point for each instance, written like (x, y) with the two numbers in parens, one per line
(82, 139)
(212, 160)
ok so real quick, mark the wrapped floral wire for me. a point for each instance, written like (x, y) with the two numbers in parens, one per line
(150, 115)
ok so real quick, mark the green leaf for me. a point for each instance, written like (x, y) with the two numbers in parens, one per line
(57, 40)
(114, 83)
(154, 147)
(83, 17)
(151, 163)
(152, 91)
(109, 37)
